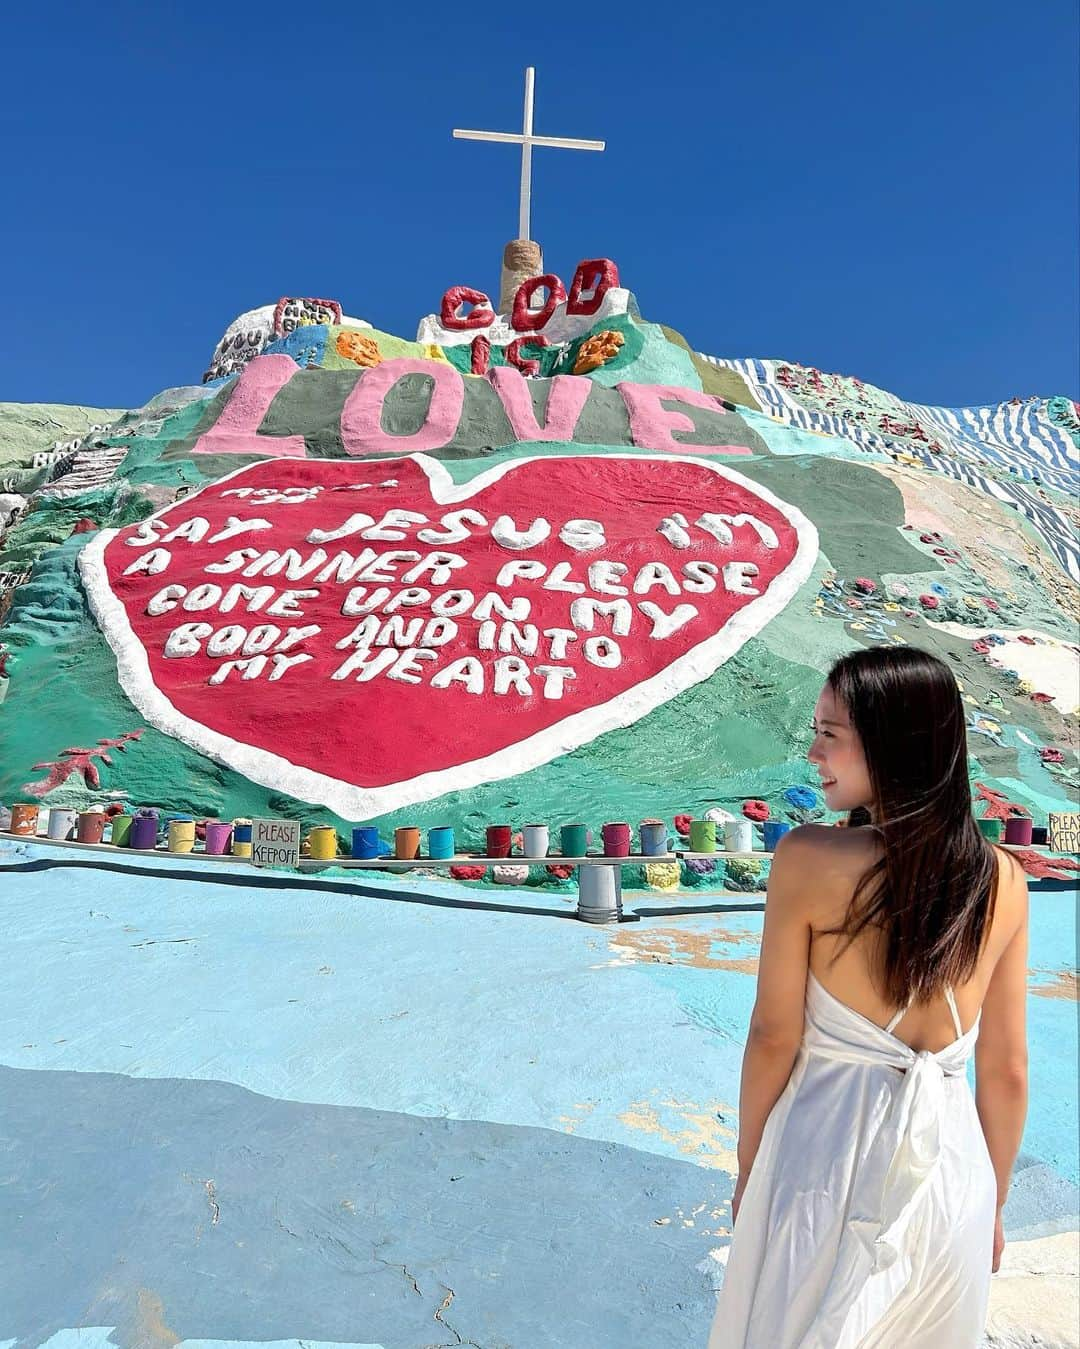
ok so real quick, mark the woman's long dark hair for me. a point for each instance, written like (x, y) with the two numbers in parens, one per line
(930, 897)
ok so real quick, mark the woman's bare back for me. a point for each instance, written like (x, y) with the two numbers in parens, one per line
(842, 856)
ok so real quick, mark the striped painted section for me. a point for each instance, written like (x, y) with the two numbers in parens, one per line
(1006, 451)
(88, 468)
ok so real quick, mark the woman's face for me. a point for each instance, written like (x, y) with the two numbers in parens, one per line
(836, 752)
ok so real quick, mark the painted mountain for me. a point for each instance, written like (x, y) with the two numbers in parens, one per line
(549, 564)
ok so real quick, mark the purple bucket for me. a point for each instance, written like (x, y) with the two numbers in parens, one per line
(1018, 830)
(218, 837)
(144, 832)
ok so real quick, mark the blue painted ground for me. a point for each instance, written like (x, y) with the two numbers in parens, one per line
(397, 1114)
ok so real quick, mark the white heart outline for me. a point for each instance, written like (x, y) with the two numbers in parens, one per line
(580, 728)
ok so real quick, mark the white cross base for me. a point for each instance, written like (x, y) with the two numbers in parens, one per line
(527, 140)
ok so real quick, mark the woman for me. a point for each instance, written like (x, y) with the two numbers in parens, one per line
(868, 1204)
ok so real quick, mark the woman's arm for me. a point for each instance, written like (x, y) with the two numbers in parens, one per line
(1001, 1051)
(776, 1026)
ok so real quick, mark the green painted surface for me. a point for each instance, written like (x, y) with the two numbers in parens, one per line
(740, 733)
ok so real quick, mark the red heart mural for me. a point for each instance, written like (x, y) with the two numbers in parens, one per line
(369, 635)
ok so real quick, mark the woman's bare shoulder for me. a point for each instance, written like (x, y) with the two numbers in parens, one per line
(828, 856)
(827, 842)
(1012, 886)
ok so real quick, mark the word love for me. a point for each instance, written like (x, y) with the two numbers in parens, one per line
(371, 639)
(388, 411)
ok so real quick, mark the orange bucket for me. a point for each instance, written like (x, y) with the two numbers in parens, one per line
(24, 818)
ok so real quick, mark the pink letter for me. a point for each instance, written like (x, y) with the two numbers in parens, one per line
(566, 399)
(651, 425)
(236, 431)
(361, 417)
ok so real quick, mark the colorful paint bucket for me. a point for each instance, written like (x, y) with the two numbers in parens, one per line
(120, 830)
(774, 831)
(322, 842)
(440, 841)
(181, 834)
(654, 837)
(407, 842)
(702, 835)
(62, 825)
(1018, 830)
(739, 836)
(218, 837)
(24, 818)
(241, 838)
(499, 838)
(367, 843)
(991, 829)
(535, 840)
(91, 826)
(616, 836)
(574, 839)
(144, 832)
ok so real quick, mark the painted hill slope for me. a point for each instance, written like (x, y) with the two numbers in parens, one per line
(549, 564)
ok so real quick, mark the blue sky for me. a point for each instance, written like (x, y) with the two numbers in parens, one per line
(885, 191)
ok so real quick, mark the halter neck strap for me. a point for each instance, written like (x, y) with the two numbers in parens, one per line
(949, 998)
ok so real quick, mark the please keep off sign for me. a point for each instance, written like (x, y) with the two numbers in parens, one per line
(275, 843)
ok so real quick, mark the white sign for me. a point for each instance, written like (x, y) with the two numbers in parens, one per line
(275, 843)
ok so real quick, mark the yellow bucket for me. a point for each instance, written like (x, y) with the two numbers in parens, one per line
(323, 842)
(181, 835)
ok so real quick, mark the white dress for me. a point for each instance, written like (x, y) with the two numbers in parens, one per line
(868, 1218)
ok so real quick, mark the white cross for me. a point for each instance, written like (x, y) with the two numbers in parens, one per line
(527, 140)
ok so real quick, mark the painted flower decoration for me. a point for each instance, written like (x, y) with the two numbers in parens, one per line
(891, 607)
(971, 603)
(909, 613)
(927, 538)
(858, 627)
(981, 647)
(900, 590)
(597, 351)
(363, 351)
(804, 798)
(1051, 755)
(1042, 697)
(929, 601)
(994, 638)
(719, 815)
(468, 873)
(936, 588)
(756, 810)
(854, 603)
(682, 825)
(1027, 641)
(1025, 686)
(864, 584)
(992, 605)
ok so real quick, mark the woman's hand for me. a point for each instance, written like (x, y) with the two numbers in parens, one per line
(736, 1201)
(999, 1240)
